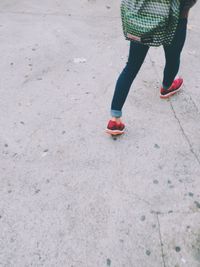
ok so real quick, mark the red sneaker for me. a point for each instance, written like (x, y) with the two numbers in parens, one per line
(115, 128)
(173, 89)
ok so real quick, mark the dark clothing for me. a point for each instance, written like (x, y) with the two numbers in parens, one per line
(136, 57)
(187, 4)
(185, 7)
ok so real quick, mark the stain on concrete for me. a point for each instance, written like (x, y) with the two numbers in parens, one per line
(190, 194)
(196, 249)
(197, 204)
(108, 262)
(148, 252)
(156, 146)
(37, 191)
(170, 211)
(177, 249)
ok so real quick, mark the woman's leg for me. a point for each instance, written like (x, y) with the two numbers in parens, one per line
(136, 57)
(173, 53)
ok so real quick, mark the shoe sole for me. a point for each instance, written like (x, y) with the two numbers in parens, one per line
(171, 93)
(114, 132)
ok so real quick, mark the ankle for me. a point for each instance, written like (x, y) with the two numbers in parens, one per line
(165, 87)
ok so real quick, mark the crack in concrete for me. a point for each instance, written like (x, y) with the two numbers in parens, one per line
(171, 213)
(154, 67)
(184, 134)
(143, 200)
(192, 100)
(178, 120)
(161, 242)
(68, 14)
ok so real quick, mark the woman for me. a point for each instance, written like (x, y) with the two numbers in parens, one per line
(137, 54)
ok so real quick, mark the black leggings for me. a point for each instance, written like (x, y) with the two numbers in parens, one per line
(136, 57)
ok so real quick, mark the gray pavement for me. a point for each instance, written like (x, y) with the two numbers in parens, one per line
(70, 196)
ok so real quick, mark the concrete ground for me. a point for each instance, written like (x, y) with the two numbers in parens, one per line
(71, 196)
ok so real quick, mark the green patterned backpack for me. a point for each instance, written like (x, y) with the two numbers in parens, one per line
(151, 22)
